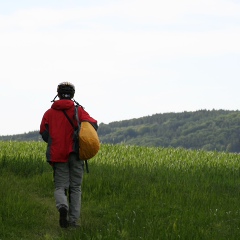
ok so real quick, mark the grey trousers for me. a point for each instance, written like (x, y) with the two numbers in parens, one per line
(68, 179)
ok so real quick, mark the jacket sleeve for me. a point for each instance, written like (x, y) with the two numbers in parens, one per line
(44, 131)
(84, 116)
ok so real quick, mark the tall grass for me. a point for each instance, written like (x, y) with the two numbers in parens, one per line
(23, 158)
(131, 192)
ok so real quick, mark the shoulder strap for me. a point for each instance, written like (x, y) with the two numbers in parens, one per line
(68, 119)
(77, 117)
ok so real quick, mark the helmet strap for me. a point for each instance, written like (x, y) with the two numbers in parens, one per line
(72, 99)
(77, 103)
(54, 98)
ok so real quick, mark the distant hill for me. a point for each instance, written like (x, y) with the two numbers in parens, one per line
(204, 129)
(30, 136)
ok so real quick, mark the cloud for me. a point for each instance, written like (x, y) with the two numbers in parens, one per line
(174, 9)
(109, 55)
(102, 30)
(125, 57)
(120, 12)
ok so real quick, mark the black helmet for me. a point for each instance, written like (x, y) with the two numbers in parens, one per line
(66, 90)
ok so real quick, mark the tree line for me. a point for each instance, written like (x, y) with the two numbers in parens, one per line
(204, 129)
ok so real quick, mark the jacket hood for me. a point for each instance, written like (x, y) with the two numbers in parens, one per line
(62, 104)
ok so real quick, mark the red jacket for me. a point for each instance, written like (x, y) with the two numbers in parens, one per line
(58, 132)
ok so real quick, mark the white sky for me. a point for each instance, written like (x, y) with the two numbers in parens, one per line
(126, 58)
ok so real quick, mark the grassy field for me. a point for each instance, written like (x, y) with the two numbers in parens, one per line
(130, 193)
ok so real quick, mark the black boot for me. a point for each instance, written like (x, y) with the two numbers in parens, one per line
(63, 222)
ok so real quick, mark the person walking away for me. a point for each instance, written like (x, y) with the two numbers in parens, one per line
(63, 152)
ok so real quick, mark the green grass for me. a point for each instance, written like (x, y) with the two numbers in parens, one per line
(130, 193)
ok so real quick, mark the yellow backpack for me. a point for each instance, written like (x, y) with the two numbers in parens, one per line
(89, 143)
(87, 137)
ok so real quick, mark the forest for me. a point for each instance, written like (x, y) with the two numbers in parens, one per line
(210, 130)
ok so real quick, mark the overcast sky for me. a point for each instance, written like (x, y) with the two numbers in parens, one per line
(126, 58)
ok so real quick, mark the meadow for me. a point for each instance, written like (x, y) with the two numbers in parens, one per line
(131, 193)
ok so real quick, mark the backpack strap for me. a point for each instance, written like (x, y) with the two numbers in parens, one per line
(68, 119)
(77, 117)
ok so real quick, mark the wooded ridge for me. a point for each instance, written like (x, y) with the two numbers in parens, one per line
(203, 129)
